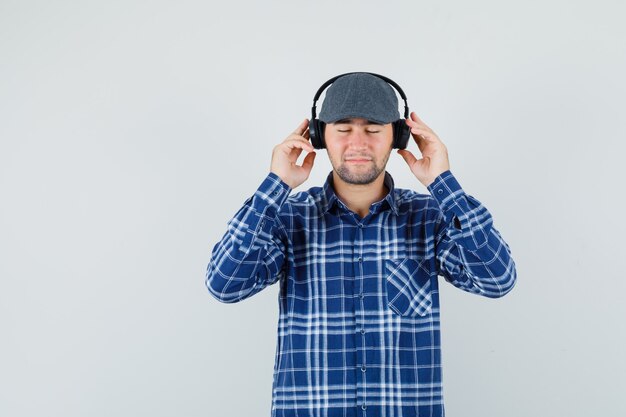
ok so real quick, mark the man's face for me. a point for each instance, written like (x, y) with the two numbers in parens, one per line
(358, 149)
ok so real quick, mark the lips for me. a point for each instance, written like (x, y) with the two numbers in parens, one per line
(358, 159)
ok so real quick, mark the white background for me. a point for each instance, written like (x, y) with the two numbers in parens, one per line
(131, 132)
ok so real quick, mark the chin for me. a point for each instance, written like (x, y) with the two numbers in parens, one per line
(362, 178)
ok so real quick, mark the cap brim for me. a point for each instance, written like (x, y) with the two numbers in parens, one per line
(360, 116)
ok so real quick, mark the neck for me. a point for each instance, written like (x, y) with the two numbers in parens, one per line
(359, 197)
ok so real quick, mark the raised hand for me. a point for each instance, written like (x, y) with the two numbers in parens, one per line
(286, 153)
(434, 159)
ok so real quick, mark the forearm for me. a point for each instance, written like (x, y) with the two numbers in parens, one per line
(251, 253)
(471, 253)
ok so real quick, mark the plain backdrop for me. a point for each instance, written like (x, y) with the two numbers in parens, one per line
(132, 131)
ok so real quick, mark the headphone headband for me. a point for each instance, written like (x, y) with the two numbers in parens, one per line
(382, 77)
(401, 131)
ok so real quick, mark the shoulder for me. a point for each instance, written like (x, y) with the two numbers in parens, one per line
(307, 197)
(410, 201)
(307, 202)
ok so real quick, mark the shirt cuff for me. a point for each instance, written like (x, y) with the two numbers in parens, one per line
(270, 195)
(466, 218)
(445, 188)
(265, 204)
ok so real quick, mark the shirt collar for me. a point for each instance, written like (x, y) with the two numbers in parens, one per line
(331, 199)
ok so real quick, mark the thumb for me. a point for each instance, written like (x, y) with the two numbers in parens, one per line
(407, 156)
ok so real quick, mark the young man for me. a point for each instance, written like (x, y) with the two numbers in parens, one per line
(358, 261)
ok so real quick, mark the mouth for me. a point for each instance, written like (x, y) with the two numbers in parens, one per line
(358, 160)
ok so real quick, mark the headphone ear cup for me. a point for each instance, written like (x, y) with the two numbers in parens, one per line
(401, 134)
(321, 128)
(313, 133)
(316, 133)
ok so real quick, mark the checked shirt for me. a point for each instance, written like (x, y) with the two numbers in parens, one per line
(358, 327)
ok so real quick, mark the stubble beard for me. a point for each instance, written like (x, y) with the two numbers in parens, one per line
(361, 178)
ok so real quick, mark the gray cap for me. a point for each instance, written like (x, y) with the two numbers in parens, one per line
(360, 95)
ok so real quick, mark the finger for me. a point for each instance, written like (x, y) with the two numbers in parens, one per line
(299, 142)
(306, 144)
(417, 129)
(414, 126)
(301, 127)
(407, 156)
(295, 153)
(419, 125)
(421, 134)
(411, 123)
(300, 137)
(416, 121)
(415, 118)
(306, 134)
(307, 164)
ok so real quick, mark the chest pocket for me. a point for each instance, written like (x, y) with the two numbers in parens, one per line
(408, 287)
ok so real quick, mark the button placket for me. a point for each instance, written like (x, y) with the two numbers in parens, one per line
(360, 336)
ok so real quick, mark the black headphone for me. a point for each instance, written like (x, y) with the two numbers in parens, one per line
(401, 131)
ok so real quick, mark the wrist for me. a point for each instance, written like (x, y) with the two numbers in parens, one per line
(283, 179)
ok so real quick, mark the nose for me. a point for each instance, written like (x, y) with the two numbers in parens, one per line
(357, 139)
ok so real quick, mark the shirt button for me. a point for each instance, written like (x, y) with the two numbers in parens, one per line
(360, 259)
(361, 225)
(363, 407)
(362, 331)
(363, 368)
(440, 191)
(361, 296)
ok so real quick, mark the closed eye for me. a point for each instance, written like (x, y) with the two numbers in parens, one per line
(368, 131)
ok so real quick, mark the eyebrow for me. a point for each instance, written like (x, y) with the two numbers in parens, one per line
(348, 121)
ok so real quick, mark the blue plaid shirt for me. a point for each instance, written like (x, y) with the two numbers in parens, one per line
(358, 329)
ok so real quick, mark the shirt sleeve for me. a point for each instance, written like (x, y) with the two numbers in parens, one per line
(251, 254)
(471, 254)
